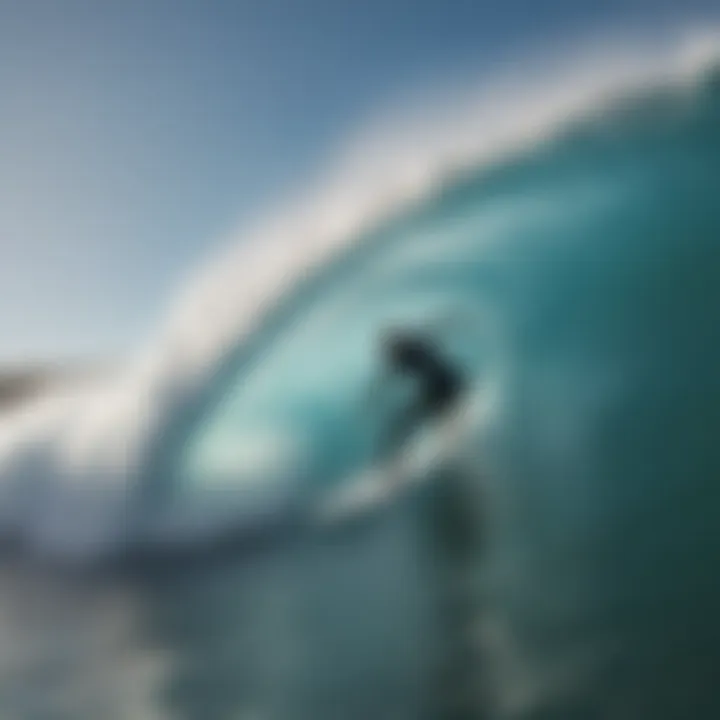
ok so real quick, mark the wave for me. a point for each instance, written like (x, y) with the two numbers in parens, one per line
(510, 211)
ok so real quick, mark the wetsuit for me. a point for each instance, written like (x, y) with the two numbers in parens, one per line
(440, 384)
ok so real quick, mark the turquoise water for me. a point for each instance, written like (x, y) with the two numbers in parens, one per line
(577, 284)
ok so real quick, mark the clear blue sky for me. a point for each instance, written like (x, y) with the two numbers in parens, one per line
(134, 133)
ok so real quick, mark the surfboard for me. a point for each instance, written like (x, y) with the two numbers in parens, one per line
(378, 485)
(358, 496)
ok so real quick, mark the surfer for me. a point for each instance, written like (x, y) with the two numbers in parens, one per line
(438, 384)
(456, 537)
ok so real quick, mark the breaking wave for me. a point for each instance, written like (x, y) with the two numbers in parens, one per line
(560, 233)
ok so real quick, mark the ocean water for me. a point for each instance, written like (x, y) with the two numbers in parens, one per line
(555, 559)
(315, 628)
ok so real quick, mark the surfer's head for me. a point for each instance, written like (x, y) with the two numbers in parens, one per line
(405, 348)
